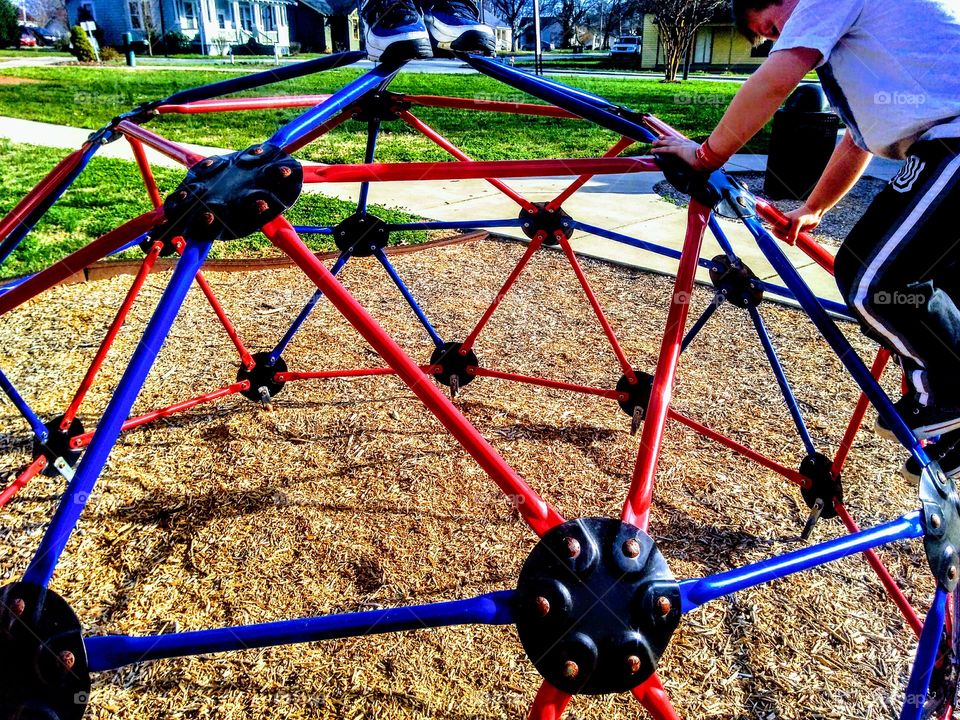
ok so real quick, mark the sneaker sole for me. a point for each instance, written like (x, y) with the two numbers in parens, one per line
(913, 478)
(925, 432)
(402, 50)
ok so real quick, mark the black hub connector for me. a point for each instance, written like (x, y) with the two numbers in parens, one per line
(361, 234)
(167, 239)
(263, 375)
(43, 663)
(638, 393)
(941, 518)
(226, 197)
(736, 282)
(584, 646)
(57, 445)
(453, 364)
(550, 222)
(380, 106)
(818, 468)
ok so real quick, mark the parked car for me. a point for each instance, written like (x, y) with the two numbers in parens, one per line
(626, 47)
(41, 36)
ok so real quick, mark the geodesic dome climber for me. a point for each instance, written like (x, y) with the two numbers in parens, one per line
(596, 602)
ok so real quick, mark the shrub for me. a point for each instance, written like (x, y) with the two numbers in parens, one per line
(294, 48)
(9, 26)
(109, 55)
(176, 43)
(82, 49)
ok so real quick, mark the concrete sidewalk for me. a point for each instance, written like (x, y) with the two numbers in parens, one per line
(625, 204)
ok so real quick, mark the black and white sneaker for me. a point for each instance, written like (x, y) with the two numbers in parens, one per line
(925, 421)
(394, 31)
(945, 452)
(455, 25)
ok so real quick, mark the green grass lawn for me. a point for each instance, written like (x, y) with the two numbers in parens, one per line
(109, 192)
(90, 97)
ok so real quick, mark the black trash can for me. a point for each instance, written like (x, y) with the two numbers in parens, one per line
(802, 139)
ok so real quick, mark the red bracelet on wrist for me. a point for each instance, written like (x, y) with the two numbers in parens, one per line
(707, 159)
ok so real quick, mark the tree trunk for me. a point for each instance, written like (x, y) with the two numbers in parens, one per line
(672, 57)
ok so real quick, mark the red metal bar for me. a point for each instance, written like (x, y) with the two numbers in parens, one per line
(539, 514)
(245, 357)
(83, 440)
(636, 509)
(879, 364)
(560, 199)
(160, 144)
(40, 192)
(655, 700)
(543, 382)
(549, 703)
(319, 131)
(889, 584)
(595, 304)
(112, 331)
(60, 271)
(790, 474)
(438, 139)
(811, 248)
(514, 108)
(532, 247)
(321, 374)
(145, 170)
(31, 471)
(240, 104)
(475, 169)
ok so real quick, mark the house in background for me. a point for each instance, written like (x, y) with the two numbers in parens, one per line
(325, 25)
(551, 33)
(717, 47)
(212, 27)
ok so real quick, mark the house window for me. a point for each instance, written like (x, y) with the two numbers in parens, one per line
(356, 29)
(761, 50)
(703, 47)
(224, 14)
(188, 15)
(136, 14)
(268, 18)
(246, 17)
(86, 13)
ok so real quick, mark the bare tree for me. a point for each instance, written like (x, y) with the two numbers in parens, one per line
(678, 22)
(570, 14)
(43, 11)
(510, 11)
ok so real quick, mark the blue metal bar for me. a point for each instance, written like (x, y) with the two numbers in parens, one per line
(17, 234)
(489, 67)
(926, 657)
(715, 303)
(110, 652)
(782, 381)
(382, 257)
(314, 229)
(118, 409)
(634, 242)
(600, 111)
(453, 224)
(694, 593)
(39, 429)
(831, 306)
(373, 130)
(305, 313)
(831, 333)
(342, 99)
(266, 77)
(722, 240)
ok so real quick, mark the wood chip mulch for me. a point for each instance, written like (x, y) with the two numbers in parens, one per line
(348, 495)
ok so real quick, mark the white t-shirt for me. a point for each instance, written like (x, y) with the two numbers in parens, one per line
(890, 68)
